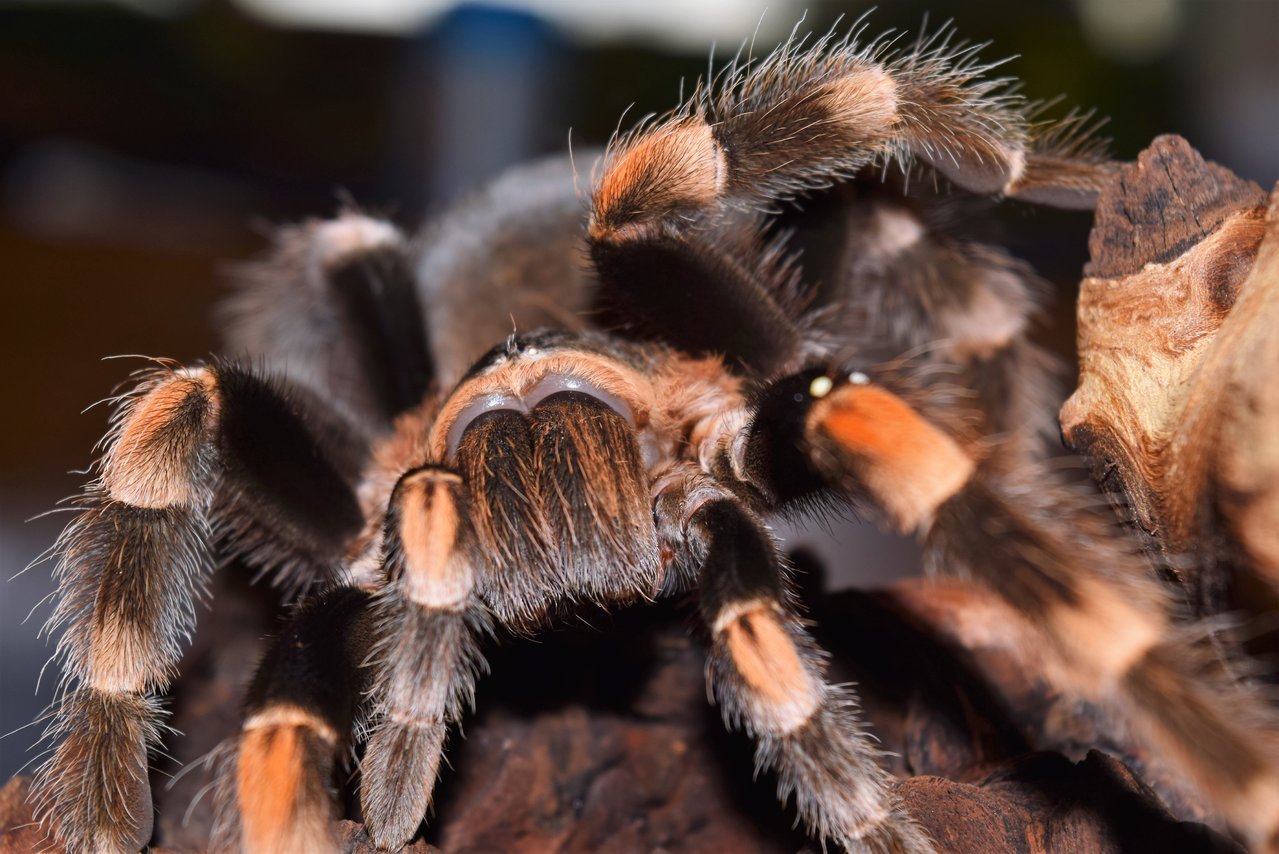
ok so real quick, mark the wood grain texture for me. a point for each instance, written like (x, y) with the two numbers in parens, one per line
(1160, 206)
(1177, 404)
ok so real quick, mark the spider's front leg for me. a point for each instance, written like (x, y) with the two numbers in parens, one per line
(768, 676)
(135, 561)
(427, 657)
(1041, 545)
(810, 115)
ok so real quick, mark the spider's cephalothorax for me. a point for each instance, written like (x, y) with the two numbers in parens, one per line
(700, 383)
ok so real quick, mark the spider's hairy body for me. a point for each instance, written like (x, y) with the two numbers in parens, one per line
(433, 480)
(569, 519)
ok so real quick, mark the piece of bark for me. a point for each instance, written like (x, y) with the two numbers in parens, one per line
(1162, 205)
(1177, 404)
(601, 739)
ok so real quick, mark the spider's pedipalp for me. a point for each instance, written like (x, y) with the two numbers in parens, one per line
(278, 797)
(135, 561)
(427, 657)
(767, 674)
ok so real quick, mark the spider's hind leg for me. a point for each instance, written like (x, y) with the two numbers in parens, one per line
(277, 796)
(335, 308)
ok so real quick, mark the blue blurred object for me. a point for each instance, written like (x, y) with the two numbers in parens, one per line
(475, 93)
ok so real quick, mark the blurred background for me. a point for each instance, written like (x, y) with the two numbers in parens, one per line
(146, 144)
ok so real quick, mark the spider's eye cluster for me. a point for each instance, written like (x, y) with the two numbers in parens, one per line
(823, 384)
(549, 385)
(820, 386)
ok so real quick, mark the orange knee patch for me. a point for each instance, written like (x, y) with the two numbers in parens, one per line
(121, 657)
(864, 104)
(909, 466)
(435, 574)
(285, 759)
(151, 463)
(1107, 633)
(675, 165)
(784, 692)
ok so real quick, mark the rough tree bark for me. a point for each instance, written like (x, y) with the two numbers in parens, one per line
(1178, 404)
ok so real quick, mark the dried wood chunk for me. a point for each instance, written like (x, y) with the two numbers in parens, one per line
(1179, 347)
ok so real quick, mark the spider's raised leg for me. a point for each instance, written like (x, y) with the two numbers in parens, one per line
(808, 116)
(802, 120)
(1040, 545)
(768, 676)
(300, 713)
(186, 447)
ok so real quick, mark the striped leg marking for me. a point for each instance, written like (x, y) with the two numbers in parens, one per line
(135, 561)
(768, 677)
(427, 658)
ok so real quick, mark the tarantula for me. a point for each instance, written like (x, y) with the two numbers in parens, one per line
(690, 382)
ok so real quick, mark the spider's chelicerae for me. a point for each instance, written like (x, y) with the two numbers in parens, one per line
(684, 386)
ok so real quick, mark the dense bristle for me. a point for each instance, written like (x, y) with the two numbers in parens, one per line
(1053, 553)
(811, 114)
(94, 792)
(724, 376)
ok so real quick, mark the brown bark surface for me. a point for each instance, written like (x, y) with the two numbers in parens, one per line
(1177, 404)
